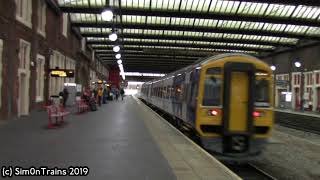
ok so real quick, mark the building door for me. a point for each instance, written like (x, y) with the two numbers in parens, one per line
(1, 80)
(24, 76)
(297, 98)
(318, 98)
(23, 105)
(40, 78)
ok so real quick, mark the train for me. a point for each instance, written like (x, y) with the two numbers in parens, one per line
(227, 100)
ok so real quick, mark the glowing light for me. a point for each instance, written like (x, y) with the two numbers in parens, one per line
(273, 67)
(116, 48)
(107, 15)
(256, 114)
(297, 64)
(113, 37)
(59, 73)
(118, 56)
(119, 61)
(213, 112)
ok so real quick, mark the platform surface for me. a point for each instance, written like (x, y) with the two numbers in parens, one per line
(122, 140)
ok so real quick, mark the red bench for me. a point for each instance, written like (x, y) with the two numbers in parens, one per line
(82, 106)
(57, 112)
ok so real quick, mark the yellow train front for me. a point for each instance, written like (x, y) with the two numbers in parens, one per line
(226, 99)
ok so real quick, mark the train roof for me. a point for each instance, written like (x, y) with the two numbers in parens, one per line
(203, 61)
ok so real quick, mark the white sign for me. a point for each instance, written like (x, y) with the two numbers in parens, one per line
(79, 87)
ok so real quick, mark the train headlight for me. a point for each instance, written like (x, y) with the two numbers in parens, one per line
(213, 112)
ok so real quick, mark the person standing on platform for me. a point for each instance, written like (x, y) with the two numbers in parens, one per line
(122, 93)
(65, 96)
(100, 94)
(105, 95)
(117, 94)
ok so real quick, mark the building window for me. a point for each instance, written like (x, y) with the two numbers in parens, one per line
(1, 49)
(56, 83)
(42, 17)
(24, 55)
(24, 11)
(65, 25)
(40, 78)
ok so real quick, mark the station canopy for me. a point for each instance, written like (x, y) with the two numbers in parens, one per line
(165, 35)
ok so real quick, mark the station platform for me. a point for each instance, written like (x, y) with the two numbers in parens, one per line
(122, 140)
(301, 113)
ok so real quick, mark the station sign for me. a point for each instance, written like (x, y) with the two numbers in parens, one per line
(64, 73)
(282, 83)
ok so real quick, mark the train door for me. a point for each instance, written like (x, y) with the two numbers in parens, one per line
(238, 101)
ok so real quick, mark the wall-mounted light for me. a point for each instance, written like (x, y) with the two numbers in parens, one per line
(113, 37)
(116, 48)
(118, 56)
(273, 67)
(107, 15)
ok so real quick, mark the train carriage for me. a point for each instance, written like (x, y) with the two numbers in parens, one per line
(226, 99)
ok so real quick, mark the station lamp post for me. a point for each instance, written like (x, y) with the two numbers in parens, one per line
(299, 65)
(273, 68)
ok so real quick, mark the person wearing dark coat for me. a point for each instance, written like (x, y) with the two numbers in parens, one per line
(122, 93)
(65, 96)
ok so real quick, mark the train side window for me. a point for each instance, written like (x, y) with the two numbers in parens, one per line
(262, 93)
(214, 70)
(212, 92)
(165, 92)
(178, 92)
(171, 92)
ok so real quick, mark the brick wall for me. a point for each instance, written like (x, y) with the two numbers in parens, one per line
(11, 33)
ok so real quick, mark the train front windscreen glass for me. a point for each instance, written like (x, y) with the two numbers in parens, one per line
(262, 93)
(212, 91)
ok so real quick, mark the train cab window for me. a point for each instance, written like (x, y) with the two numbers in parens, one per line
(212, 91)
(262, 93)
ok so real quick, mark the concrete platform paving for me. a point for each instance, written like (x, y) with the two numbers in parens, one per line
(115, 142)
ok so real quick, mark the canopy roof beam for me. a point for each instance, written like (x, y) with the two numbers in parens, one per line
(183, 45)
(192, 38)
(190, 28)
(198, 15)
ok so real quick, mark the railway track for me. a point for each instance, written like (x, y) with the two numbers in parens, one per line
(246, 171)
(249, 172)
(300, 127)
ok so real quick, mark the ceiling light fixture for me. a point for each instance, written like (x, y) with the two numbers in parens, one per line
(107, 15)
(113, 37)
(119, 61)
(118, 56)
(116, 48)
